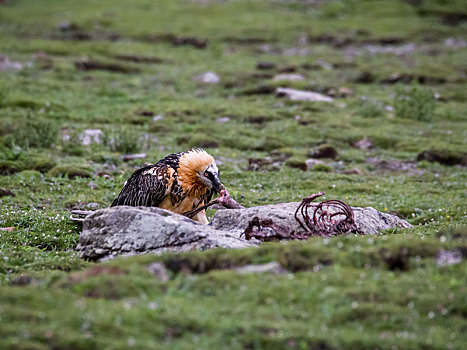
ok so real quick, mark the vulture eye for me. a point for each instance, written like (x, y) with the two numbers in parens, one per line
(206, 174)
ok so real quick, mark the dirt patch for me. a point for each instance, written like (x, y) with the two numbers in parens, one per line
(334, 41)
(393, 165)
(384, 41)
(274, 161)
(324, 151)
(396, 260)
(260, 90)
(288, 69)
(246, 41)
(365, 78)
(144, 113)
(95, 271)
(444, 157)
(23, 281)
(405, 78)
(259, 119)
(87, 65)
(175, 40)
(449, 18)
(266, 65)
(8, 167)
(139, 59)
(346, 40)
(73, 32)
(311, 66)
(344, 65)
(5, 192)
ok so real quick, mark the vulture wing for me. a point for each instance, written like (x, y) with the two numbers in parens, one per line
(149, 185)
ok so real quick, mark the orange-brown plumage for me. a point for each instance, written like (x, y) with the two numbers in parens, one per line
(180, 182)
(191, 164)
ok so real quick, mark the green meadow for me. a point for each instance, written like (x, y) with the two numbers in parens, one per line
(131, 69)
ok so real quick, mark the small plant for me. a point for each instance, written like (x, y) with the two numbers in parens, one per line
(38, 133)
(414, 103)
(122, 140)
(370, 109)
(2, 93)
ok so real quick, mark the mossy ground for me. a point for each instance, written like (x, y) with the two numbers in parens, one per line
(348, 292)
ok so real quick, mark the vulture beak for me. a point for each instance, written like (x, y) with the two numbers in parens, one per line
(217, 185)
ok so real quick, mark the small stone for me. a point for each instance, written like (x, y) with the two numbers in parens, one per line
(65, 26)
(90, 136)
(288, 77)
(311, 163)
(103, 173)
(92, 185)
(157, 118)
(364, 143)
(159, 271)
(65, 135)
(354, 171)
(273, 267)
(5, 64)
(92, 205)
(300, 95)
(345, 92)
(208, 78)
(223, 120)
(448, 257)
(127, 157)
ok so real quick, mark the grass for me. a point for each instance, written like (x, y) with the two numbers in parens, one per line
(381, 292)
(415, 103)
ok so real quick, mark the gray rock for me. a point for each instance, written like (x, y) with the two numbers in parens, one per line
(140, 230)
(448, 257)
(89, 136)
(288, 77)
(6, 64)
(364, 143)
(223, 120)
(273, 267)
(368, 220)
(300, 95)
(159, 271)
(137, 230)
(311, 163)
(128, 157)
(92, 185)
(208, 78)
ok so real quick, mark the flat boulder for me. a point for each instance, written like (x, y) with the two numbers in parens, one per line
(137, 230)
(368, 220)
(301, 95)
(140, 230)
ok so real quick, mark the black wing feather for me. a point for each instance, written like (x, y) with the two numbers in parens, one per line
(146, 189)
